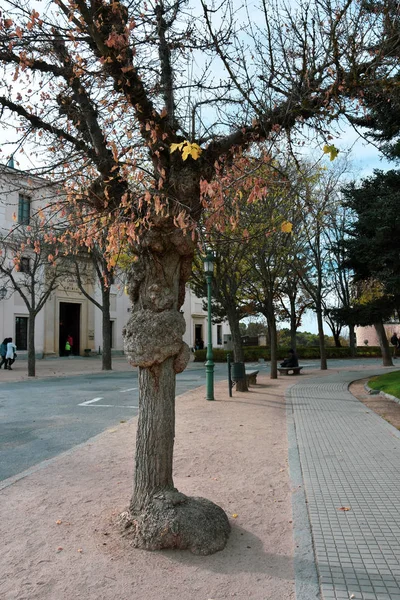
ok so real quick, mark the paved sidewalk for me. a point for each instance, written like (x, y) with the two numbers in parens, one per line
(350, 462)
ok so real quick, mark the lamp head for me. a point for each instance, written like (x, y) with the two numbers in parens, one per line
(208, 262)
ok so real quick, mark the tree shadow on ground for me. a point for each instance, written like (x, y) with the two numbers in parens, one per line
(244, 553)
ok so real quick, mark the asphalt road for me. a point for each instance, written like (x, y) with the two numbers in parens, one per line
(42, 418)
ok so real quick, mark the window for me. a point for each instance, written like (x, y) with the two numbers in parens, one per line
(24, 209)
(24, 265)
(21, 333)
(219, 335)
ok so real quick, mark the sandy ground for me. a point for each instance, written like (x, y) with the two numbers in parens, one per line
(58, 541)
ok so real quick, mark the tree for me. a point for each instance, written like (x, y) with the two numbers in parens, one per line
(269, 254)
(317, 192)
(293, 303)
(373, 250)
(227, 287)
(94, 268)
(101, 89)
(33, 266)
(340, 276)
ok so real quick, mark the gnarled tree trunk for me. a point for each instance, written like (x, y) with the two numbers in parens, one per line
(159, 516)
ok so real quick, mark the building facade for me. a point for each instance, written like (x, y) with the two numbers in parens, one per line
(68, 311)
(367, 336)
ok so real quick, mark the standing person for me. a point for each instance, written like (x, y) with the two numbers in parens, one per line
(70, 341)
(11, 354)
(3, 352)
(394, 340)
(67, 348)
(291, 360)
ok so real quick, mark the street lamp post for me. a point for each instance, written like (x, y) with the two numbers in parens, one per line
(208, 270)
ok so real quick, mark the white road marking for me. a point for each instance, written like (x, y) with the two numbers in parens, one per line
(128, 390)
(108, 406)
(90, 401)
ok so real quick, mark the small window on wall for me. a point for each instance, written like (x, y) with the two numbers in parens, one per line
(21, 333)
(219, 335)
(24, 209)
(24, 265)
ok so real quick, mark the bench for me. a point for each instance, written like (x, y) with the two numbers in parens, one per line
(286, 370)
(251, 377)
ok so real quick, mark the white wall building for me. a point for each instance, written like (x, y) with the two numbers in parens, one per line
(367, 336)
(68, 311)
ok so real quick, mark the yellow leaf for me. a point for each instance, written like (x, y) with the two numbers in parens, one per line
(194, 151)
(287, 227)
(187, 149)
(235, 516)
(344, 508)
(185, 152)
(331, 150)
(174, 147)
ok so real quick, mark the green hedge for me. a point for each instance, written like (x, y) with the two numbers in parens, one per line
(253, 353)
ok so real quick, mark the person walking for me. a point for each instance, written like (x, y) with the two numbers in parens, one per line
(70, 341)
(3, 352)
(11, 354)
(394, 340)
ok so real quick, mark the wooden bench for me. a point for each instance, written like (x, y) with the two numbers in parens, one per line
(286, 370)
(251, 377)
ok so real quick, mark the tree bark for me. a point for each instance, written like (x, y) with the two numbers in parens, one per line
(336, 337)
(31, 346)
(293, 324)
(352, 341)
(238, 355)
(159, 516)
(384, 344)
(106, 360)
(273, 337)
(321, 338)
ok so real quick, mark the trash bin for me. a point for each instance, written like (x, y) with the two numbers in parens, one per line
(238, 371)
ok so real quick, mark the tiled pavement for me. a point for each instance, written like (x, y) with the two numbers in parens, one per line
(349, 459)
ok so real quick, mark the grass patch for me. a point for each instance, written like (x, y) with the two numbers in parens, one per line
(389, 383)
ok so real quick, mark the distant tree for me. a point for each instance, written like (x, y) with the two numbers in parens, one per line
(92, 267)
(32, 264)
(228, 298)
(373, 251)
(340, 276)
(255, 328)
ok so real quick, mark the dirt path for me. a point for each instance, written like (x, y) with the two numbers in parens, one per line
(56, 525)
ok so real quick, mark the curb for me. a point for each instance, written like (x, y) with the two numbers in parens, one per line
(373, 392)
(305, 564)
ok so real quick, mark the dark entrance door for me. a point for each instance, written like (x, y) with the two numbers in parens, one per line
(70, 324)
(198, 337)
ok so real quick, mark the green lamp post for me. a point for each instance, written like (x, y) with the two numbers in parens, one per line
(209, 270)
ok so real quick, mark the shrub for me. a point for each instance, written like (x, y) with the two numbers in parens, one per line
(253, 353)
